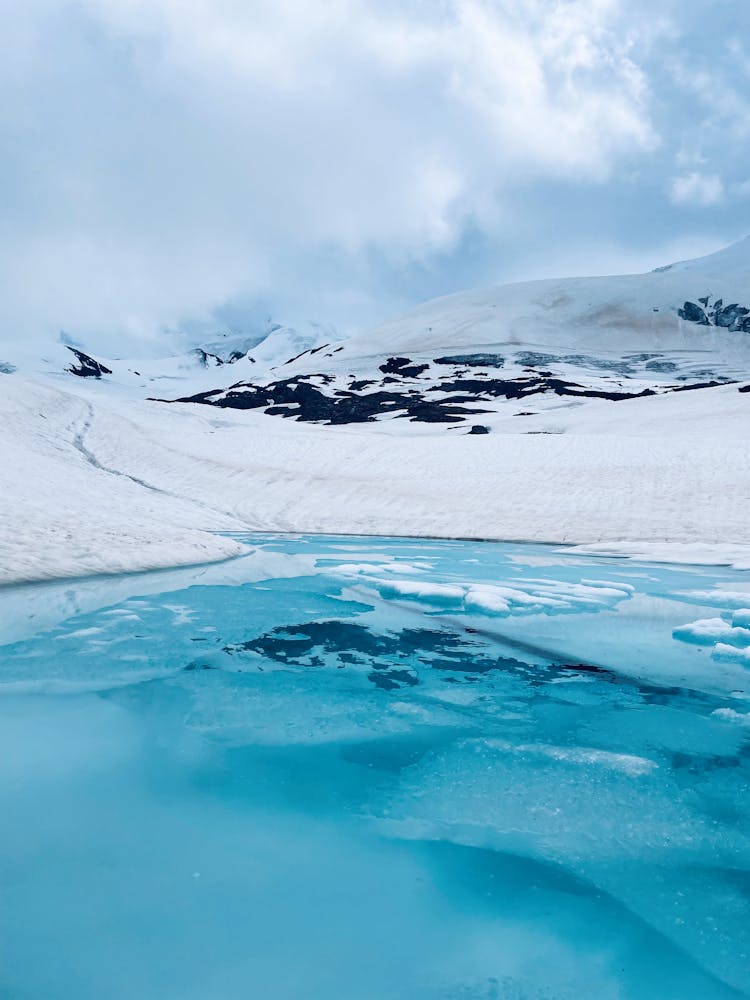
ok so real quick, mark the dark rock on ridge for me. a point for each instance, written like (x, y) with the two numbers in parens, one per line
(693, 314)
(732, 317)
(403, 367)
(87, 367)
(472, 360)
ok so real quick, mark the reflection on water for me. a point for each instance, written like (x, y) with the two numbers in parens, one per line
(379, 769)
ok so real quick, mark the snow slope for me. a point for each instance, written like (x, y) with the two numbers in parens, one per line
(594, 430)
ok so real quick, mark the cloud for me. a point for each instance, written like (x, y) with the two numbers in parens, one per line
(699, 189)
(725, 107)
(166, 156)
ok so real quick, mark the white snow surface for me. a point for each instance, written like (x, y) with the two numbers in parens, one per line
(97, 478)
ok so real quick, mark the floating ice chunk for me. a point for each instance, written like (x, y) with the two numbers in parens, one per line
(534, 600)
(741, 618)
(538, 596)
(404, 567)
(433, 593)
(488, 600)
(735, 600)
(730, 715)
(709, 631)
(627, 587)
(369, 568)
(594, 595)
(723, 653)
(498, 600)
(358, 568)
(705, 632)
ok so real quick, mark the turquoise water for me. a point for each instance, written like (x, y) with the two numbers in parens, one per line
(343, 768)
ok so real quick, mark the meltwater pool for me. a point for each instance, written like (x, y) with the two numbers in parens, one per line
(368, 769)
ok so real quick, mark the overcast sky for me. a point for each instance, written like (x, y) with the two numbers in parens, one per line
(197, 164)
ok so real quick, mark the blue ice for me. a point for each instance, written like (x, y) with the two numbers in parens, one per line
(375, 769)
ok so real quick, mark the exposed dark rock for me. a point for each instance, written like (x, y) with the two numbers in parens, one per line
(403, 367)
(520, 388)
(298, 398)
(440, 412)
(702, 385)
(733, 317)
(87, 367)
(473, 360)
(693, 313)
(461, 394)
(203, 357)
(744, 388)
(302, 354)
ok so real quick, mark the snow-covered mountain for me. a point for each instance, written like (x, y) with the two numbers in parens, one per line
(467, 356)
(220, 360)
(605, 412)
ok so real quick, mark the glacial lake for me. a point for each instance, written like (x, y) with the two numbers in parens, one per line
(369, 769)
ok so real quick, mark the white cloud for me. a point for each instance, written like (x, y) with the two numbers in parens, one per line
(718, 91)
(697, 189)
(167, 155)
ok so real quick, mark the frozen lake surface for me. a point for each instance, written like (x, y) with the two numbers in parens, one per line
(355, 769)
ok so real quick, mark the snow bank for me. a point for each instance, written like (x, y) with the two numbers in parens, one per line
(100, 483)
(63, 515)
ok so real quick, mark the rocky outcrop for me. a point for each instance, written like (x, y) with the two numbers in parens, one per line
(732, 317)
(455, 389)
(210, 358)
(87, 366)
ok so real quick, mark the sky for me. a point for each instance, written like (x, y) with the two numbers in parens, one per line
(174, 168)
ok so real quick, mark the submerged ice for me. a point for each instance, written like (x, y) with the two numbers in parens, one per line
(380, 769)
